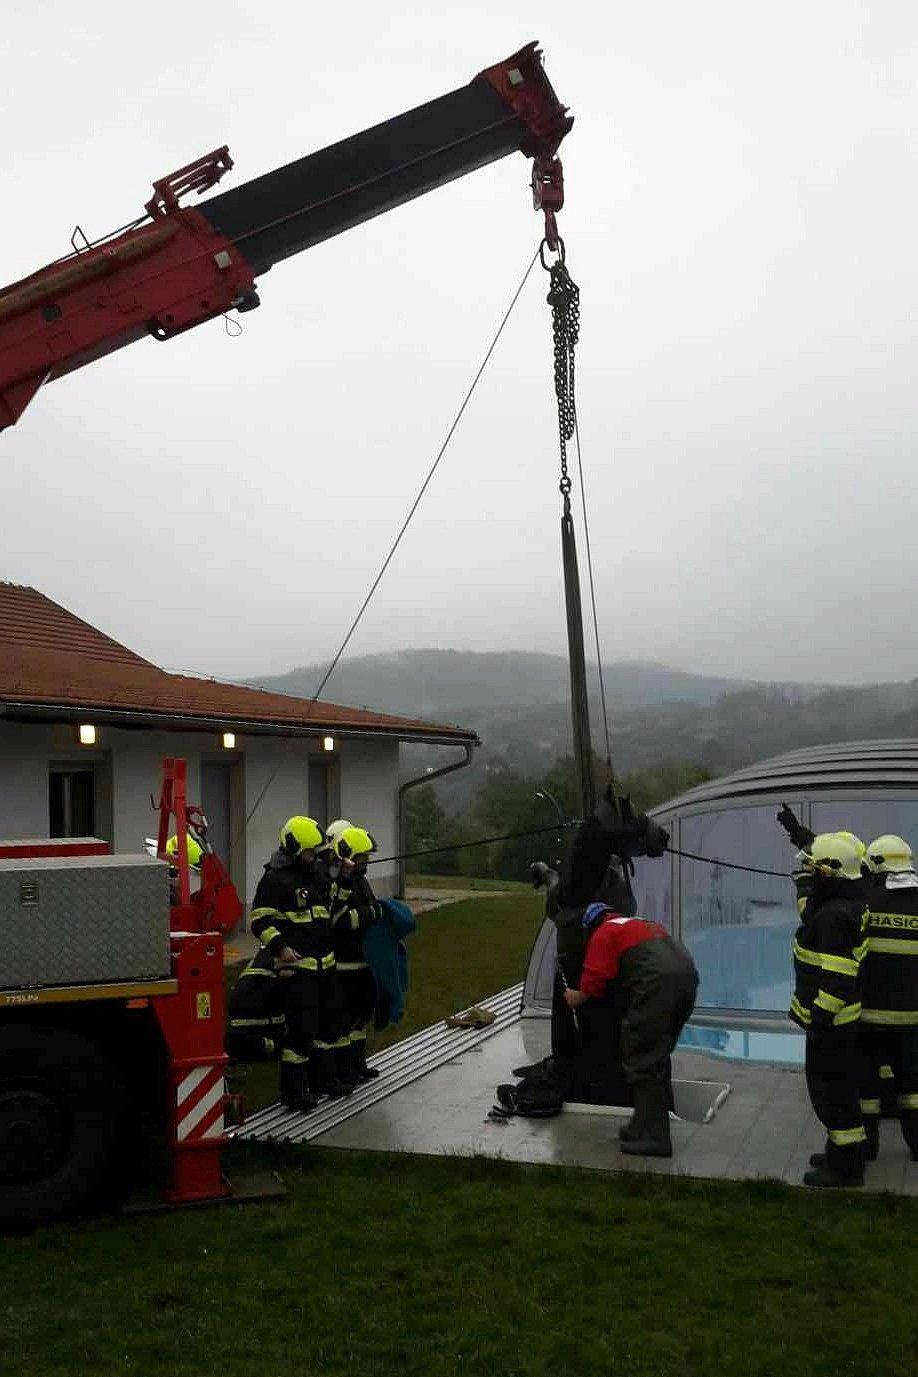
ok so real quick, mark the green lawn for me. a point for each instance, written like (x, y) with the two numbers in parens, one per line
(464, 882)
(460, 953)
(377, 1265)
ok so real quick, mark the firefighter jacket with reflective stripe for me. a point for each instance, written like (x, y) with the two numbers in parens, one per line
(290, 909)
(829, 949)
(890, 982)
(353, 910)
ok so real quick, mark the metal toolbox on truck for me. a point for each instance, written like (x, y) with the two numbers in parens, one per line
(83, 920)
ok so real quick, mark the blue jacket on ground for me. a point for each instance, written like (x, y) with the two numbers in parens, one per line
(384, 952)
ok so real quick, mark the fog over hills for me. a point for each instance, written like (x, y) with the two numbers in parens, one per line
(518, 704)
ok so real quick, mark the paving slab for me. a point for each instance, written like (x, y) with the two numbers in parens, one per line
(764, 1128)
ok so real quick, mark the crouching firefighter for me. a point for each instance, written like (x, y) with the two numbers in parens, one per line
(655, 983)
(585, 1059)
(829, 949)
(354, 910)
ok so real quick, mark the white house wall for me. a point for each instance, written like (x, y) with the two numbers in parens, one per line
(23, 786)
(368, 781)
(369, 798)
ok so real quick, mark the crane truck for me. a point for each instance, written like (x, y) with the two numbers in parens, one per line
(111, 987)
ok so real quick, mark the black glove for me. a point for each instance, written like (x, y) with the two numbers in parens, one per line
(801, 836)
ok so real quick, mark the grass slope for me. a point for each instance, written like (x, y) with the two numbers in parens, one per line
(428, 1267)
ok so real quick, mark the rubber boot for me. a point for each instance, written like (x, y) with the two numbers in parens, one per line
(327, 1079)
(633, 1129)
(345, 1068)
(523, 1071)
(359, 1067)
(843, 1167)
(872, 1148)
(652, 1121)
(294, 1087)
(908, 1122)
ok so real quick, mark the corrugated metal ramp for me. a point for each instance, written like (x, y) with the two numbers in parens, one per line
(398, 1066)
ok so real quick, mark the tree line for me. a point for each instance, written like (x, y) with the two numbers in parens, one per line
(507, 801)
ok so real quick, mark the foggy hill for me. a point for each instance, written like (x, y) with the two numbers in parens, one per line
(518, 704)
(459, 686)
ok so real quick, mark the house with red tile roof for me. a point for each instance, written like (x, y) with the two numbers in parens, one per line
(85, 723)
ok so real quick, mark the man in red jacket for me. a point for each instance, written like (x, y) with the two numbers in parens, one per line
(655, 982)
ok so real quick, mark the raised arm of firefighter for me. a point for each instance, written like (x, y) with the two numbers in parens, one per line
(800, 836)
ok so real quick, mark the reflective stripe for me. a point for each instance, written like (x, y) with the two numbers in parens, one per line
(266, 913)
(355, 919)
(797, 1008)
(894, 946)
(870, 1107)
(886, 1073)
(268, 935)
(849, 1014)
(843, 1137)
(840, 965)
(901, 1018)
(301, 919)
(200, 1114)
(292, 1058)
(190, 1083)
(352, 965)
(256, 970)
(907, 1101)
(269, 1021)
(860, 952)
(343, 1042)
(360, 1035)
(312, 963)
(831, 1003)
(320, 911)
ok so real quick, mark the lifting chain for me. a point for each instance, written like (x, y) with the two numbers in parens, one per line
(564, 300)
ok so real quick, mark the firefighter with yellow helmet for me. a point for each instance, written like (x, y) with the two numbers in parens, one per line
(829, 950)
(889, 998)
(288, 992)
(353, 909)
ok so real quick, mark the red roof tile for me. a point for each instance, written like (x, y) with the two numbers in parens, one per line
(28, 618)
(51, 659)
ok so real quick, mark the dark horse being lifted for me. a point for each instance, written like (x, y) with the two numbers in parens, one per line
(585, 1061)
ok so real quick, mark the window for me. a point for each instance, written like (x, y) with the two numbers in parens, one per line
(868, 818)
(72, 803)
(739, 926)
(652, 883)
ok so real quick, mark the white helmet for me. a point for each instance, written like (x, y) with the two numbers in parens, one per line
(333, 832)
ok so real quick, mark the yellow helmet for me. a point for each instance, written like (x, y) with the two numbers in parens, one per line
(334, 830)
(194, 849)
(861, 848)
(889, 853)
(352, 842)
(300, 834)
(836, 854)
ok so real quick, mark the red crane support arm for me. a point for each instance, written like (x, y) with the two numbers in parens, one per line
(187, 266)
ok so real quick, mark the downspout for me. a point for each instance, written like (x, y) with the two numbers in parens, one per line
(402, 790)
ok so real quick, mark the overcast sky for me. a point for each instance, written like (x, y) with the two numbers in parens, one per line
(741, 221)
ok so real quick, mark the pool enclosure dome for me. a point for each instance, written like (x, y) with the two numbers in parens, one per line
(739, 925)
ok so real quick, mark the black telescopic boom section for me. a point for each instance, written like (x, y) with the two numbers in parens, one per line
(580, 710)
(506, 109)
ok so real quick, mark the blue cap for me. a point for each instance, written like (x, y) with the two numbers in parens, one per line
(592, 912)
